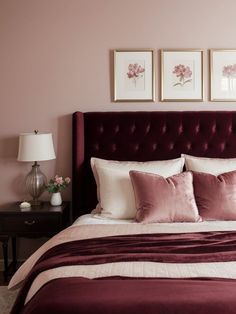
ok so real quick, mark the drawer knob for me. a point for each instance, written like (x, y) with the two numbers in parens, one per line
(29, 223)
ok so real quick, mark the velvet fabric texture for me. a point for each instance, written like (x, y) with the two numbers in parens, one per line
(215, 195)
(160, 199)
(169, 248)
(132, 296)
(144, 136)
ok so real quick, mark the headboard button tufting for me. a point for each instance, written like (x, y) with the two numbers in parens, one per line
(205, 146)
(222, 146)
(197, 128)
(117, 129)
(188, 146)
(213, 129)
(164, 129)
(96, 147)
(133, 128)
(101, 129)
(147, 129)
(144, 136)
(180, 129)
(113, 148)
(154, 146)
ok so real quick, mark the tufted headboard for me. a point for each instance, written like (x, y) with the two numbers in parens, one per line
(144, 136)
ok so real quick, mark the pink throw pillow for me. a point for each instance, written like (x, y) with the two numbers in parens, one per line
(160, 199)
(215, 195)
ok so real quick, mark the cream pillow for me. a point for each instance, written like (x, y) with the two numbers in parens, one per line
(213, 166)
(114, 188)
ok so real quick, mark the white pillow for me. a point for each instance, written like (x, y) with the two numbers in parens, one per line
(213, 166)
(114, 188)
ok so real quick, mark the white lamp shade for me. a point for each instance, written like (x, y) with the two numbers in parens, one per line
(36, 147)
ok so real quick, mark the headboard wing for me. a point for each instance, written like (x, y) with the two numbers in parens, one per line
(144, 136)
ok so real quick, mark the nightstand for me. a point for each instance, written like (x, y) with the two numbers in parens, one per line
(4, 239)
(38, 221)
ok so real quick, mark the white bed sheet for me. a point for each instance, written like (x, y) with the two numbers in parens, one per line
(177, 227)
(92, 219)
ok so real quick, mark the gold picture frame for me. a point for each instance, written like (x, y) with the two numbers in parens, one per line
(182, 75)
(134, 75)
(222, 74)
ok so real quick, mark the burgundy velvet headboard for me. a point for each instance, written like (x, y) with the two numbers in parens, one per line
(144, 136)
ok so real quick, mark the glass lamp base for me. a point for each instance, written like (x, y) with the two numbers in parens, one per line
(35, 183)
(35, 202)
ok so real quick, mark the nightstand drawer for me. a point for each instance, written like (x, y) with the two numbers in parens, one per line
(39, 221)
(30, 224)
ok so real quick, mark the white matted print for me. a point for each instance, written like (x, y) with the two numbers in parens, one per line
(223, 74)
(134, 75)
(182, 75)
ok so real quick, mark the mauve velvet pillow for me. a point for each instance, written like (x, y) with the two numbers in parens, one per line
(160, 199)
(215, 195)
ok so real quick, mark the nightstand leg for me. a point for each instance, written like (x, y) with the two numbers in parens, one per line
(14, 260)
(5, 256)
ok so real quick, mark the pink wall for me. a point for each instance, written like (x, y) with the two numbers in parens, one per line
(56, 55)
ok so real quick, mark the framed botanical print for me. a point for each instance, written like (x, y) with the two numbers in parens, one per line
(134, 75)
(181, 75)
(223, 74)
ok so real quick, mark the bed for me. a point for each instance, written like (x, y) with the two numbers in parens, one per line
(118, 265)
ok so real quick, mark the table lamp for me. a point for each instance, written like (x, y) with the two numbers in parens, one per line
(35, 147)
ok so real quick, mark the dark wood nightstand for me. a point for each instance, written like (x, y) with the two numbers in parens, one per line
(38, 221)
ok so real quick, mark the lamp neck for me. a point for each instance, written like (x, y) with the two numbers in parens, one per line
(35, 164)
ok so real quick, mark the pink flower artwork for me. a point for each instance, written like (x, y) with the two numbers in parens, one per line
(183, 73)
(229, 70)
(135, 72)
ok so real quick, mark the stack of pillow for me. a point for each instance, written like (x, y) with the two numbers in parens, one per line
(159, 191)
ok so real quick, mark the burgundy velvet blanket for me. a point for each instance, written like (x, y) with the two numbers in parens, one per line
(128, 295)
